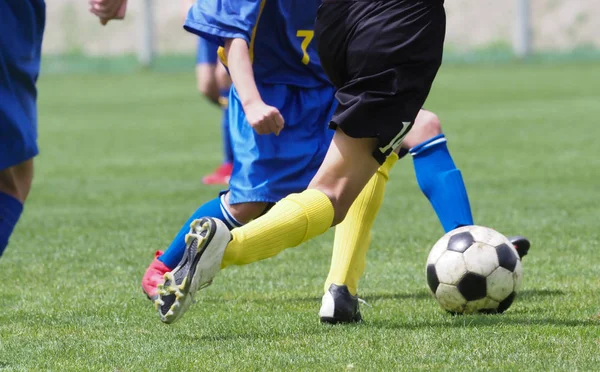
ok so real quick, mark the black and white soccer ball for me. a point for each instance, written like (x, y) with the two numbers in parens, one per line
(474, 269)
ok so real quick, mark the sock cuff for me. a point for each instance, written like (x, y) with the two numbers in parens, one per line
(385, 168)
(316, 205)
(10, 211)
(433, 141)
(10, 207)
(229, 220)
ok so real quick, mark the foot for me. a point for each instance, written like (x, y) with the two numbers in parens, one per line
(206, 243)
(339, 306)
(220, 176)
(521, 244)
(153, 276)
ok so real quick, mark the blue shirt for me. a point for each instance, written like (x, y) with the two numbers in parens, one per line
(279, 34)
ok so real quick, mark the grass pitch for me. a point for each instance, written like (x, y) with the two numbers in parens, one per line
(120, 167)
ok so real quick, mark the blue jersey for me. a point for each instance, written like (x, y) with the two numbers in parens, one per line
(279, 34)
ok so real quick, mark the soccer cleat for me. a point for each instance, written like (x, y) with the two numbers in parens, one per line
(153, 276)
(521, 244)
(220, 176)
(339, 306)
(206, 243)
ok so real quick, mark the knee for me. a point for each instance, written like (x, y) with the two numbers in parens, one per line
(340, 212)
(246, 212)
(16, 181)
(341, 203)
(427, 125)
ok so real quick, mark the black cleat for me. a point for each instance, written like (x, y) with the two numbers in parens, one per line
(339, 306)
(521, 244)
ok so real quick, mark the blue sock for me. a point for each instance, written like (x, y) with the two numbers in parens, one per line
(10, 211)
(442, 183)
(214, 208)
(227, 150)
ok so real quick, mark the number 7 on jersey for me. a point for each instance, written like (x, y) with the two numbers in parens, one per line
(308, 36)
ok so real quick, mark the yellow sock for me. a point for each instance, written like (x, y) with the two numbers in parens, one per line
(353, 235)
(293, 220)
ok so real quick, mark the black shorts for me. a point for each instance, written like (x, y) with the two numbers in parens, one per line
(382, 56)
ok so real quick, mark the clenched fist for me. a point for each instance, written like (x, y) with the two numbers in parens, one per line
(264, 119)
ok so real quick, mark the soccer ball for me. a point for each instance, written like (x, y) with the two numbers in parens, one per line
(474, 269)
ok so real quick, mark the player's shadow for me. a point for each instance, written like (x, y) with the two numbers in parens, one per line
(375, 297)
(532, 293)
(317, 299)
(478, 321)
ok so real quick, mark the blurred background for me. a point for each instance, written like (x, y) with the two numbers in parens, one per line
(478, 30)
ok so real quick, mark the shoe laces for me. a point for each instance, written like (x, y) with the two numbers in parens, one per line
(363, 302)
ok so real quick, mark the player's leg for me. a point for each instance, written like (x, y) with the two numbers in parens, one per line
(437, 175)
(21, 35)
(350, 245)
(339, 301)
(288, 162)
(233, 214)
(352, 236)
(16, 181)
(283, 165)
(15, 184)
(293, 220)
(439, 178)
(207, 85)
(378, 105)
(168, 260)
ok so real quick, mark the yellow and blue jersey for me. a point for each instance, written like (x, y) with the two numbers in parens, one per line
(289, 77)
(279, 34)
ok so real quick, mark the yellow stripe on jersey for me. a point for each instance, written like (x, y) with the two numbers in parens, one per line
(222, 56)
(221, 50)
(262, 6)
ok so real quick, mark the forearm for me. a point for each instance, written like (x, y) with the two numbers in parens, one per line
(240, 69)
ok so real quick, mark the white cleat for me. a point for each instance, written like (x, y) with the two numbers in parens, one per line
(206, 243)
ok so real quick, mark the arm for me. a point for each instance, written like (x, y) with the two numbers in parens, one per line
(263, 118)
(240, 68)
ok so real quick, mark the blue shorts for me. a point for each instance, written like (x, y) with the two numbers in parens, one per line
(21, 32)
(266, 168)
(206, 52)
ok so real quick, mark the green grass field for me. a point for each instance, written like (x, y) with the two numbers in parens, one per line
(119, 172)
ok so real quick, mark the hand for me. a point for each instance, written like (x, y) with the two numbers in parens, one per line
(264, 119)
(108, 9)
